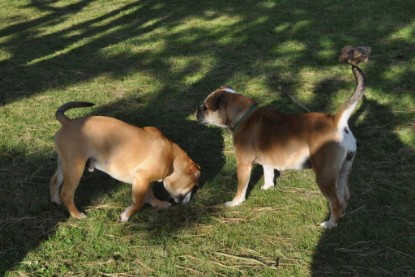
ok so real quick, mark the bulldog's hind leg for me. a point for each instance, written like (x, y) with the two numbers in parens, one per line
(244, 174)
(343, 183)
(327, 174)
(140, 188)
(72, 173)
(327, 185)
(55, 185)
(154, 202)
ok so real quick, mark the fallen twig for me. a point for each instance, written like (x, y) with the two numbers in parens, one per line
(295, 101)
(144, 265)
(189, 269)
(249, 259)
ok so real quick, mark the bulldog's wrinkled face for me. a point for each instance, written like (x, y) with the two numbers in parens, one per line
(221, 107)
(181, 185)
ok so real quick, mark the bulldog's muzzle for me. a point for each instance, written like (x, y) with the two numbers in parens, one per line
(200, 113)
(184, 198)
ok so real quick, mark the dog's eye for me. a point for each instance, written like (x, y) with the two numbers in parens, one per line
(204, 108)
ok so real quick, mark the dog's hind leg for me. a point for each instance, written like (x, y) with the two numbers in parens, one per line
(327, 185)
(72, 173)
(327, 169)
(343, 182)
(268, 177)
(55, 185)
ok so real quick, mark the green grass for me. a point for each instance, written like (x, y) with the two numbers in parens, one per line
(153, 63)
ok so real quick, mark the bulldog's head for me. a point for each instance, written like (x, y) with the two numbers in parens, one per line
(223, 107)
(183, 182)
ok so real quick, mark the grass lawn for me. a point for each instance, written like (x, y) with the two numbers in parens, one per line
(152, 63)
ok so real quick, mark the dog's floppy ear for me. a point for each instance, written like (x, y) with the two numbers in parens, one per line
(218, 100)
(194, 170)
(226, 87)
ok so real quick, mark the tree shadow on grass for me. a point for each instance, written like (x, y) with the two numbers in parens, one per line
(260, 32)
(26, 216)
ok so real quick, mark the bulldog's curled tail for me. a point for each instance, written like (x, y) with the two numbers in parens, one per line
(60, 112)
(353, 56)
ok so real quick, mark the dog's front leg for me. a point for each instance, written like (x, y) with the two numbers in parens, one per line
(268, 177)
(154, 202)
(244, 174)
(139, 192)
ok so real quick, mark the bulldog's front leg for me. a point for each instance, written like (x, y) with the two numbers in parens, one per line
(139, 191)
(244, 174)
(155, 202)
(268, 177)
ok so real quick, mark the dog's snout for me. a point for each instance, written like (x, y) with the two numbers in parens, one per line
(187, 197)
(183, 199)
(200, 112)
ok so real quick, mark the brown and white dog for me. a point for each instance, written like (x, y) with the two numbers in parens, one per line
(279, 141)
(133, 155)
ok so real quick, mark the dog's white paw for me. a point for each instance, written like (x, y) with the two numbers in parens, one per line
(56, 199)
(123, 217)
(82, 216)
(267, 186)
(234, 202)
(328, 224)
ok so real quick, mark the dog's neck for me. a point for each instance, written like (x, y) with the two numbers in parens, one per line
(180, 160)
(252, 108)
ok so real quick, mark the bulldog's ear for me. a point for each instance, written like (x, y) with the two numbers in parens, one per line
(194, 170)
(226, 87)
(219, 100)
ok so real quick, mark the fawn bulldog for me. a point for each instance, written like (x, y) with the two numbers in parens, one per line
(279, 141)
(133, 155)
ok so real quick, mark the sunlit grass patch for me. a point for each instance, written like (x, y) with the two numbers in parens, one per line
(153, 63)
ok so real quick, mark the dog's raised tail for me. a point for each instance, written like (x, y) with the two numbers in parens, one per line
(353, 56)
(60, 112)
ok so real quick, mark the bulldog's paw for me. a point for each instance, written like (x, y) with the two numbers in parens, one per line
(56, 199)
(234, 202)
(328, 224)
(123, 217)
(79, 216)
(162, 205)
(267, 186)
